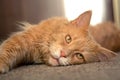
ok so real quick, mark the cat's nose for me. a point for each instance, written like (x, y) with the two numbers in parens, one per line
(62, 54)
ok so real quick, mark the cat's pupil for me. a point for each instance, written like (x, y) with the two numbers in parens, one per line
(68, 38)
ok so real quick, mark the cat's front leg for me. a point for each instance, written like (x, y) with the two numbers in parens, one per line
(9, 60)
(11, 56)
(4, 68)
(4, 63)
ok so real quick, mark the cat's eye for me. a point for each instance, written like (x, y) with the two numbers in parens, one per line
(68, 39)
(79, 55)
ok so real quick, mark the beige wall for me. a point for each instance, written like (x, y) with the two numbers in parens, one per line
(33, 11)
(116, 7)
(36, 10)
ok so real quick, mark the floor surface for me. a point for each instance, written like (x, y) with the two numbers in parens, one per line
(92, 71)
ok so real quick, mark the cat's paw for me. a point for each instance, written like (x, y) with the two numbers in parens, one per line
(3, 68)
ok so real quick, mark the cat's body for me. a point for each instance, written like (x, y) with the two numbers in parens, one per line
(107, 34)
(55, 42)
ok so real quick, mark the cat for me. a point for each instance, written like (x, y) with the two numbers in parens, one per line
(107, 34)
(55, 42)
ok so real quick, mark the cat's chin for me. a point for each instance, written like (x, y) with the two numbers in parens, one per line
(53, 61)
(62, 61)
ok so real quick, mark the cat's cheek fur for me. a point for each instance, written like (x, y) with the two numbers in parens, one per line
(53, 62)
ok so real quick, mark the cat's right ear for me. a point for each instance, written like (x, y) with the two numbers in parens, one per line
(105, 54)
(83, 20)
(102, 54)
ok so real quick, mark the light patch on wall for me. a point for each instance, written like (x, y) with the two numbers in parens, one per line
(74, 8)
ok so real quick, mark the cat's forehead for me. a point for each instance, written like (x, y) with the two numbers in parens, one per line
(62, 25)
(68, 27)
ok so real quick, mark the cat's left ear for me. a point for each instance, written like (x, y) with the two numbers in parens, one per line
(83, 20)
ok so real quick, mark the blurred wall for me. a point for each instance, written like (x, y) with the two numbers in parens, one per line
(10, 12)
(116, 8)
(33, 11)
(102, 10)
(36, 10)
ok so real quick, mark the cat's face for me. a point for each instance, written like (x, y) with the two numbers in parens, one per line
(72, 44)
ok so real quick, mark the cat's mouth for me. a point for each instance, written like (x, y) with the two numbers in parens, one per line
(58, 59)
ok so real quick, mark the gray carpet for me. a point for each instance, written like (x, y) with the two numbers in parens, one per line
(92, 71)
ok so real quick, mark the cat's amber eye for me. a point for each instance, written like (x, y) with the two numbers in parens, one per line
(79, 56)
(68, 39)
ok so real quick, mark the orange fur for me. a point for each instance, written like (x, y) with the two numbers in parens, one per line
(55, 42)
(107, 34)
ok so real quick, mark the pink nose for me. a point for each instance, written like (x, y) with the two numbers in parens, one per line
(62, 54)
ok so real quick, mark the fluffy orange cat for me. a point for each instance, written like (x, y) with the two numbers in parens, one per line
(55, 42)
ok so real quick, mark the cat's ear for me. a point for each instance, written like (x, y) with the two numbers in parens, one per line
(83, 20)
(101, 54)
(104, 54)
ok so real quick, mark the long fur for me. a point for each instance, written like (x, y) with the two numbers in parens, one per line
(55, 42)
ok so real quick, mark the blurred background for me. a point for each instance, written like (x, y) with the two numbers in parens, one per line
(33, 11)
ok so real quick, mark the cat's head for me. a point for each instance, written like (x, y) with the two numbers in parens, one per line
(72, 43)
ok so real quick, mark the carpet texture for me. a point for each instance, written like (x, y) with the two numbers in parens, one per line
(92, 71)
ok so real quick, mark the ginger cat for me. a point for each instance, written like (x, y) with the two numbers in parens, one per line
(55, 42)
